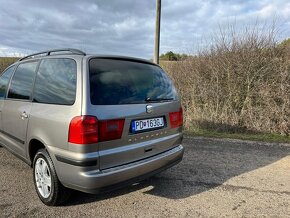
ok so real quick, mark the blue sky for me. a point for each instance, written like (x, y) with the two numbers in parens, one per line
(127, 27)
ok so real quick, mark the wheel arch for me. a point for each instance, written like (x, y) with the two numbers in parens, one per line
(34, 146)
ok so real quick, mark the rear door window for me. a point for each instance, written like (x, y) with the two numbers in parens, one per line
(22, 81)
(4, 80)
(114, 81)
(56, 82)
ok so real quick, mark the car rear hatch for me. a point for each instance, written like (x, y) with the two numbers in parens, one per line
(137, 108)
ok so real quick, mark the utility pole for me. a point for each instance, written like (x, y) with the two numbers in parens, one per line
(157, 32)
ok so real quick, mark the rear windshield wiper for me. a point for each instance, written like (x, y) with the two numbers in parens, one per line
(158, 99)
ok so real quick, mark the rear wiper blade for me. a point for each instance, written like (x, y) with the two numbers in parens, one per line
(158, 99)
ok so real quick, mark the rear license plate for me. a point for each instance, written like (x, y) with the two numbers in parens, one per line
(147, 124)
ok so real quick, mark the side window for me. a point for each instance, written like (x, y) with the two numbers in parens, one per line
(56, 82)
(22, 82)
(4, 80)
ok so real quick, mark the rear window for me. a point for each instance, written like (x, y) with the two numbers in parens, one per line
(114, 82)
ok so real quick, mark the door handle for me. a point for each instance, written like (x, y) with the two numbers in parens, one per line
(24, 115)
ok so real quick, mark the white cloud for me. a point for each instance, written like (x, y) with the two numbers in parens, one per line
(266, 11)
(127, 27)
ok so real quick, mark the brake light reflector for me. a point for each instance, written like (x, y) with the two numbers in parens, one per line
(176, 118)
(83, 130)
(111, 129)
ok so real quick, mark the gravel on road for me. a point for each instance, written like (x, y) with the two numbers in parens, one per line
(217, 178)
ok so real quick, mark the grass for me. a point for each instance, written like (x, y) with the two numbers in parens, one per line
(263, 137)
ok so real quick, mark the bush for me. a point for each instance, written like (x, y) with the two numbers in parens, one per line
(5, 62)
(240, 84)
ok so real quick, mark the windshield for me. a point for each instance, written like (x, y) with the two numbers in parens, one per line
(114, 81)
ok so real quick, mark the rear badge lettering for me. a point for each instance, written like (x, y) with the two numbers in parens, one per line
(135, 139)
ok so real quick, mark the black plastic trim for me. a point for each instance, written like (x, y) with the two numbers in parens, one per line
(77, 162)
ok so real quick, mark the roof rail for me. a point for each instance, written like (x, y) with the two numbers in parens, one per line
(47, 53)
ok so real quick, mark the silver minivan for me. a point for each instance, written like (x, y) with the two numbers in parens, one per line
(89, 122)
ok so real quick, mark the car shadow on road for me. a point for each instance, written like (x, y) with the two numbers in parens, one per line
(207, 164)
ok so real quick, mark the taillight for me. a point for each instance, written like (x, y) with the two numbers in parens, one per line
(83, 130)
(176, 118)
(88, 130)
(111, 129)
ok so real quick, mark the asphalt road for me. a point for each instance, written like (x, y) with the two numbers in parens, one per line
(217, 178)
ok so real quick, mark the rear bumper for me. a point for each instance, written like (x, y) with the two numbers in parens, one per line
(96, 181)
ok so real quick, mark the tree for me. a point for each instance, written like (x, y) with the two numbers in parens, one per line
(171, 56)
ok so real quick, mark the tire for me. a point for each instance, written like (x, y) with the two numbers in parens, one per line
(49, 189)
